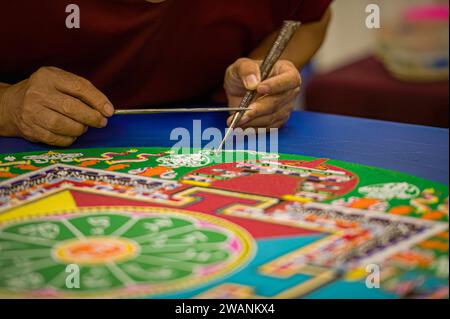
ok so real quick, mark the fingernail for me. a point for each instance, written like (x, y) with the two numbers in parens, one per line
(104, 122)
(251, 82)
(264, 89)
(243, 120)
(109, 109)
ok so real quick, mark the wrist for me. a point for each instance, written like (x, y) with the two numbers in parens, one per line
(7, 127)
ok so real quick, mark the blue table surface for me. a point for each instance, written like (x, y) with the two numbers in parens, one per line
(416, 150)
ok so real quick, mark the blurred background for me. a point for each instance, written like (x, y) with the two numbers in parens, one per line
(396, 73)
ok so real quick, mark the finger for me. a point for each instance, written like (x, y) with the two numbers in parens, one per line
(267, 123)
(268, 105)
(287, 78)
(76, 110)
(42, 135)
(279, 124)
(261, 106)
(59, 124)
(247, 71)
(231, 118)
(82, 89)
(272, 120)
(235, 101)
(264, 108)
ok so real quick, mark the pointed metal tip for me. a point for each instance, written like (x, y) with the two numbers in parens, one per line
(219, 148)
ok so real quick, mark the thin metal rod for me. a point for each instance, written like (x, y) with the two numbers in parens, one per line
(177, 110)
(284, 37)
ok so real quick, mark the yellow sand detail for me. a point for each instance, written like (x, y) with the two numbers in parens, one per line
(201, 184)
(57, 202)
(293, 198)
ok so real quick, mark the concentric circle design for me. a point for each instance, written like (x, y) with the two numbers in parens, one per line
(93, 251)
(120, 252)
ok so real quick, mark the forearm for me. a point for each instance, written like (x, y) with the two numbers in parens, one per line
(305, 43)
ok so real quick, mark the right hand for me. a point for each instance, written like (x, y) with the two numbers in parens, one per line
(54, 107)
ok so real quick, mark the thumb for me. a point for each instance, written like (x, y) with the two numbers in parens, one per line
(248, 72)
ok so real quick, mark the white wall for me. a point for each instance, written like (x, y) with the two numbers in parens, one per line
(348, 38)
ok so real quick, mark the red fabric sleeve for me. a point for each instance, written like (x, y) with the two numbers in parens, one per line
(303, 10)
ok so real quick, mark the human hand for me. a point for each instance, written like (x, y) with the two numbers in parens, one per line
(52, 106)
(276, 95)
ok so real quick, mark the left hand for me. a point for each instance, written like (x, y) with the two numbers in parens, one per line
(276, 95)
